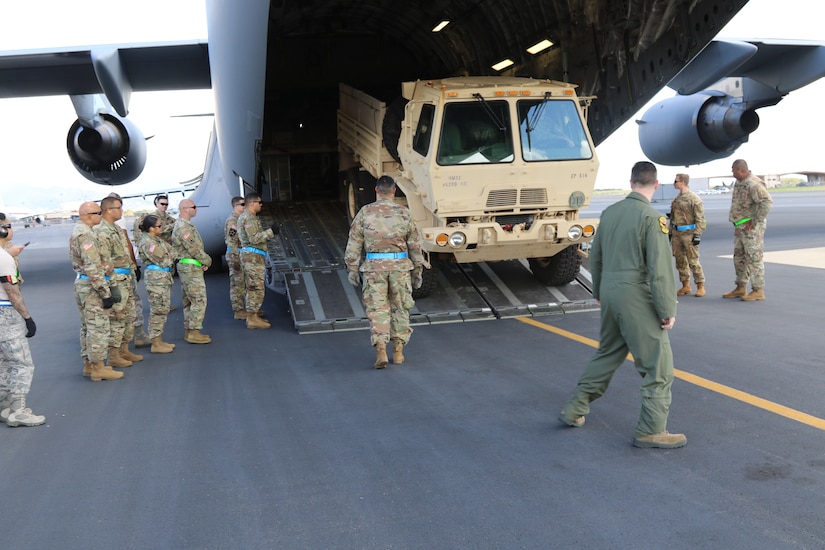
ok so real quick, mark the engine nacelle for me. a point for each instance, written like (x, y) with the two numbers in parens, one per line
(111, 153)
(693, 129)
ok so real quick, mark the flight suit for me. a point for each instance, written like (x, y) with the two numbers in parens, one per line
(633, 280)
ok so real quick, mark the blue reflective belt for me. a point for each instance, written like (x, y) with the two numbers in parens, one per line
(79, 276)
(123, 271)
(253, 249)
(229, 250)
(386, 255)
(154, 267)
(685, 227)
(5, 303)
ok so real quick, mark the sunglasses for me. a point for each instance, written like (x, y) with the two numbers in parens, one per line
(163, 204)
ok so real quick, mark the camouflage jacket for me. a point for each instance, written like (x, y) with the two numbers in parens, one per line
(87, 259)
(383, 226)
(188, 243)
(156, 251)
(687, 209)
(114, 246)
(750, 199)
(251, 232)
(167, 223)
(230, 233)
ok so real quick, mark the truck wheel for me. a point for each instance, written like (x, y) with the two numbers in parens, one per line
(354, 194)
(559, 269)
(428, 282)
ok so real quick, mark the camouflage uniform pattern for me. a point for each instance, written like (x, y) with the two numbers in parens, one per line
(114, 247)
(95, 328)
(385, 226)
(16, 364)
(167, 223)
(237, 287)
(189, 244)
(156, 251)
(687, 209)
(251, 233)
(750, 199)
(633, 279)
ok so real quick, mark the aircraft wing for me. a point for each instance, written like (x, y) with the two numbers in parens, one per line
(112, 70)
(782, 65)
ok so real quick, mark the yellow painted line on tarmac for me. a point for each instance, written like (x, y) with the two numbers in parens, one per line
(733, 393)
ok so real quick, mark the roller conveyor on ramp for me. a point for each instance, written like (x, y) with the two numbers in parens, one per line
(306, 259)
(324, 301)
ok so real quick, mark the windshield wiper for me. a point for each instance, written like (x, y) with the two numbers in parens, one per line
(489, 110)
(534, 119)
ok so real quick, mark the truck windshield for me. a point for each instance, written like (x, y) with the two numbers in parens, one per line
(475, 132)
(552, 130)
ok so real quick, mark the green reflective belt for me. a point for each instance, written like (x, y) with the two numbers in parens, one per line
(743, 220)
(191, 261)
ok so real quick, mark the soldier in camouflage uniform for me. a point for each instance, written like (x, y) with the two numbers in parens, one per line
(13, 249)
(92, 294)
(158, 257)
(116, 250)
(252, 237)
(749, 207)
(237, 288)
(633, 280)
(687, 219)
(386, 232)
(16, 365)
(193, 262)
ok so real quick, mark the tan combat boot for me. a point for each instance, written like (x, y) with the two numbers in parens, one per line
(103, 372)
(128, 355)
(661, 440)
(397, 351)
(685, 289)
(754, 295)
(700, 289)
(159, 346)
(115, 360)
(253, 321)
(381, 355)
(87, 368)
(737, 292)
(194, 336)
(241, 314)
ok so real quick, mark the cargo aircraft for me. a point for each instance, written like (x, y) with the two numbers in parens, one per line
(275, 67)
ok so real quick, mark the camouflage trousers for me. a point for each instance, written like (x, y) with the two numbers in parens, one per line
(122, 314)
(387, 301)
(193, 292)
(687, 257)
(95, 326)
(16, 365)
(159, 289)
(237, 286)
(747, 255)
(254, 266)
(138, 303)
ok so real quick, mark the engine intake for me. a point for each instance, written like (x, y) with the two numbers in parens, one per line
(111, 153)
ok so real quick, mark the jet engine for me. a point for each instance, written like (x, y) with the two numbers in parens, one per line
(697, 128)
(111, 152)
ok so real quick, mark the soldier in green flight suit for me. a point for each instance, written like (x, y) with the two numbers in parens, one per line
(633, 280)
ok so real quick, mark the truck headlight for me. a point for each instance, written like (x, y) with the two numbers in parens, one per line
(589, 230)
(574, 233)
(457, 239)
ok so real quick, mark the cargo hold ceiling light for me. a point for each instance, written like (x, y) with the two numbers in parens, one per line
(441, 26)
(501, 65)
(539, 46)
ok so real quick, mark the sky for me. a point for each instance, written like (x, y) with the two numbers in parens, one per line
(35, 171)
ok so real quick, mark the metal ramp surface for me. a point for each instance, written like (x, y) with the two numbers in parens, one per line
(306, 261)
(324, 301)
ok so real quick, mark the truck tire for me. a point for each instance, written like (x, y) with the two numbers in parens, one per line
(391, 126)
(559, 269)
(428, 282)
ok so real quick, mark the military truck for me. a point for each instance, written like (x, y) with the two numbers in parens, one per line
(492, 168)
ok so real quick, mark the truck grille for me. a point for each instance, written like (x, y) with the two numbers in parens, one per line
(501, 198)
